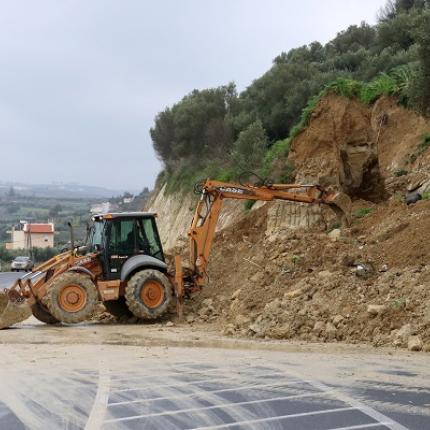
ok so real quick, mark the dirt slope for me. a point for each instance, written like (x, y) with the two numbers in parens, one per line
(280, 272)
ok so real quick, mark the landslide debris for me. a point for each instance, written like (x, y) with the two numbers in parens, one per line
(307, 278)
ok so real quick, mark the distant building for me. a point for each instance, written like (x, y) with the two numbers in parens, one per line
(32, 235)
(100, 208)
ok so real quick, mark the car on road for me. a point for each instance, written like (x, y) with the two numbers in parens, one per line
(22, 263)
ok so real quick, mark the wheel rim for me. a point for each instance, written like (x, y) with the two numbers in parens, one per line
(152, 294)
(73, 298)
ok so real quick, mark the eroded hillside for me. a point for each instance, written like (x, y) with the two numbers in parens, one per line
(285, 270)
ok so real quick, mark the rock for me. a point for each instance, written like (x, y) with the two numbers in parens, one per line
(207, 302)
(426, 347)
(415, 343)
(426, 316)
(242, 320)
(384, 268)
(190, 318)
(169, 324)
(319, 327)
(335, 234)
(330, 330)
(411, 198)
(337, 320)
(401, 336)
(280, 332)
(363, 270)
(235, 295)
(257, 278)
(325, 274)
(376, 309)
(228, 330)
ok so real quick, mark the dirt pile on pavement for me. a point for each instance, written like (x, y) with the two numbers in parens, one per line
(366, 283)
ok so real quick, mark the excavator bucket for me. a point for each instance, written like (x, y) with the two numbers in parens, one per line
(13, 308)
(340, 203)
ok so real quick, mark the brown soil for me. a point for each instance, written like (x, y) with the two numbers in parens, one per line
(366, 283)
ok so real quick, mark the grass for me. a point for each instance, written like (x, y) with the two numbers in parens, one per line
(400, 172)
(362, 212)
(425, 143)
(249, 204)
(333, 227)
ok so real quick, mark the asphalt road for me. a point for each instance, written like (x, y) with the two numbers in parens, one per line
(8, 278)
(125, 377)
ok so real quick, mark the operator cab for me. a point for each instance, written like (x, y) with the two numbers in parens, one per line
(121, 236)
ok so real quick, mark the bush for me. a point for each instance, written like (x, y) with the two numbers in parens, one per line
(400, 172)
(363, 212)
(249, 204)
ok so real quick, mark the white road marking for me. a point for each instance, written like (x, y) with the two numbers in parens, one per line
(98, 411)
(201, 381)
(153, 374)
(202, 392)
(264, 420)
(218, 406)
(378, 416)
(359, 426)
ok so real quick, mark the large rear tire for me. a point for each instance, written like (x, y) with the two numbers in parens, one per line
(71, 298)
(148, 294)
(42, 314)
(118, 308)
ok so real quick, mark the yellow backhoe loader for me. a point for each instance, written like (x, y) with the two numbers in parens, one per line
(123, 263)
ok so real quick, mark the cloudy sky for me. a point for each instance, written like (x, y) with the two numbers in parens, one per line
(81, 80)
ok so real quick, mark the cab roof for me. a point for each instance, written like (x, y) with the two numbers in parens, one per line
(115, 215)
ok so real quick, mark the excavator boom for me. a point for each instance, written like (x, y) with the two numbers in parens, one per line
(213, 193)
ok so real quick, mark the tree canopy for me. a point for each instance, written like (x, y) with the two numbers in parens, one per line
(220, 130)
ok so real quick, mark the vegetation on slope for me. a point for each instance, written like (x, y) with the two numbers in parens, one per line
(219, 133)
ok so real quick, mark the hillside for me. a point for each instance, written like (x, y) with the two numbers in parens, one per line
(350, 115)
(283, 270)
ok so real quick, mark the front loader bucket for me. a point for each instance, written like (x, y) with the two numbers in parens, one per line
(13, 309)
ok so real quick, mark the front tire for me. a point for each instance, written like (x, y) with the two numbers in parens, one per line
(148, 294)
(71, 298)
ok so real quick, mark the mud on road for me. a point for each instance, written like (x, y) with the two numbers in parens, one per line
(108, 376)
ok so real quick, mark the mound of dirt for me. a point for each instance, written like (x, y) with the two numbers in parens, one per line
(366, 283)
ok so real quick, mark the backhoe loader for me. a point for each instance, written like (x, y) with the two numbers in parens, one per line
(123, 263)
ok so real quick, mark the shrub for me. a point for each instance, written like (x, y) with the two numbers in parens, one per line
(362, 212)
(249, 204)
(400, 172)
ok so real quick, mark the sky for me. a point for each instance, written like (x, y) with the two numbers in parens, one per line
(82, 80)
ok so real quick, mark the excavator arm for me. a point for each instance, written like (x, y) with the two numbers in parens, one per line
(203, 225)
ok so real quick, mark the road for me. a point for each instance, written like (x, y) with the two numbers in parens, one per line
(105, 376)
(8, 278)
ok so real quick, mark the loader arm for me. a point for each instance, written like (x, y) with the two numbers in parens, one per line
(203, 225)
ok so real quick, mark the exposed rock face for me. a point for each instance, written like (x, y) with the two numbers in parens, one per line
(339, 149)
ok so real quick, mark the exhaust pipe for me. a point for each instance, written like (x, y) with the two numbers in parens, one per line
(72, 237)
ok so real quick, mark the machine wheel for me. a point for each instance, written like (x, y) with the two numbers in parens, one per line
(118, 308)
(42, 314)
(148, 294)
(71, 298)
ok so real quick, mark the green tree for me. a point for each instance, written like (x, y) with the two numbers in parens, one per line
(422, 86)
(250, 147)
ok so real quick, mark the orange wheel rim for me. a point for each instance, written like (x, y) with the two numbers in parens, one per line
(73, 298)
(152, 294)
